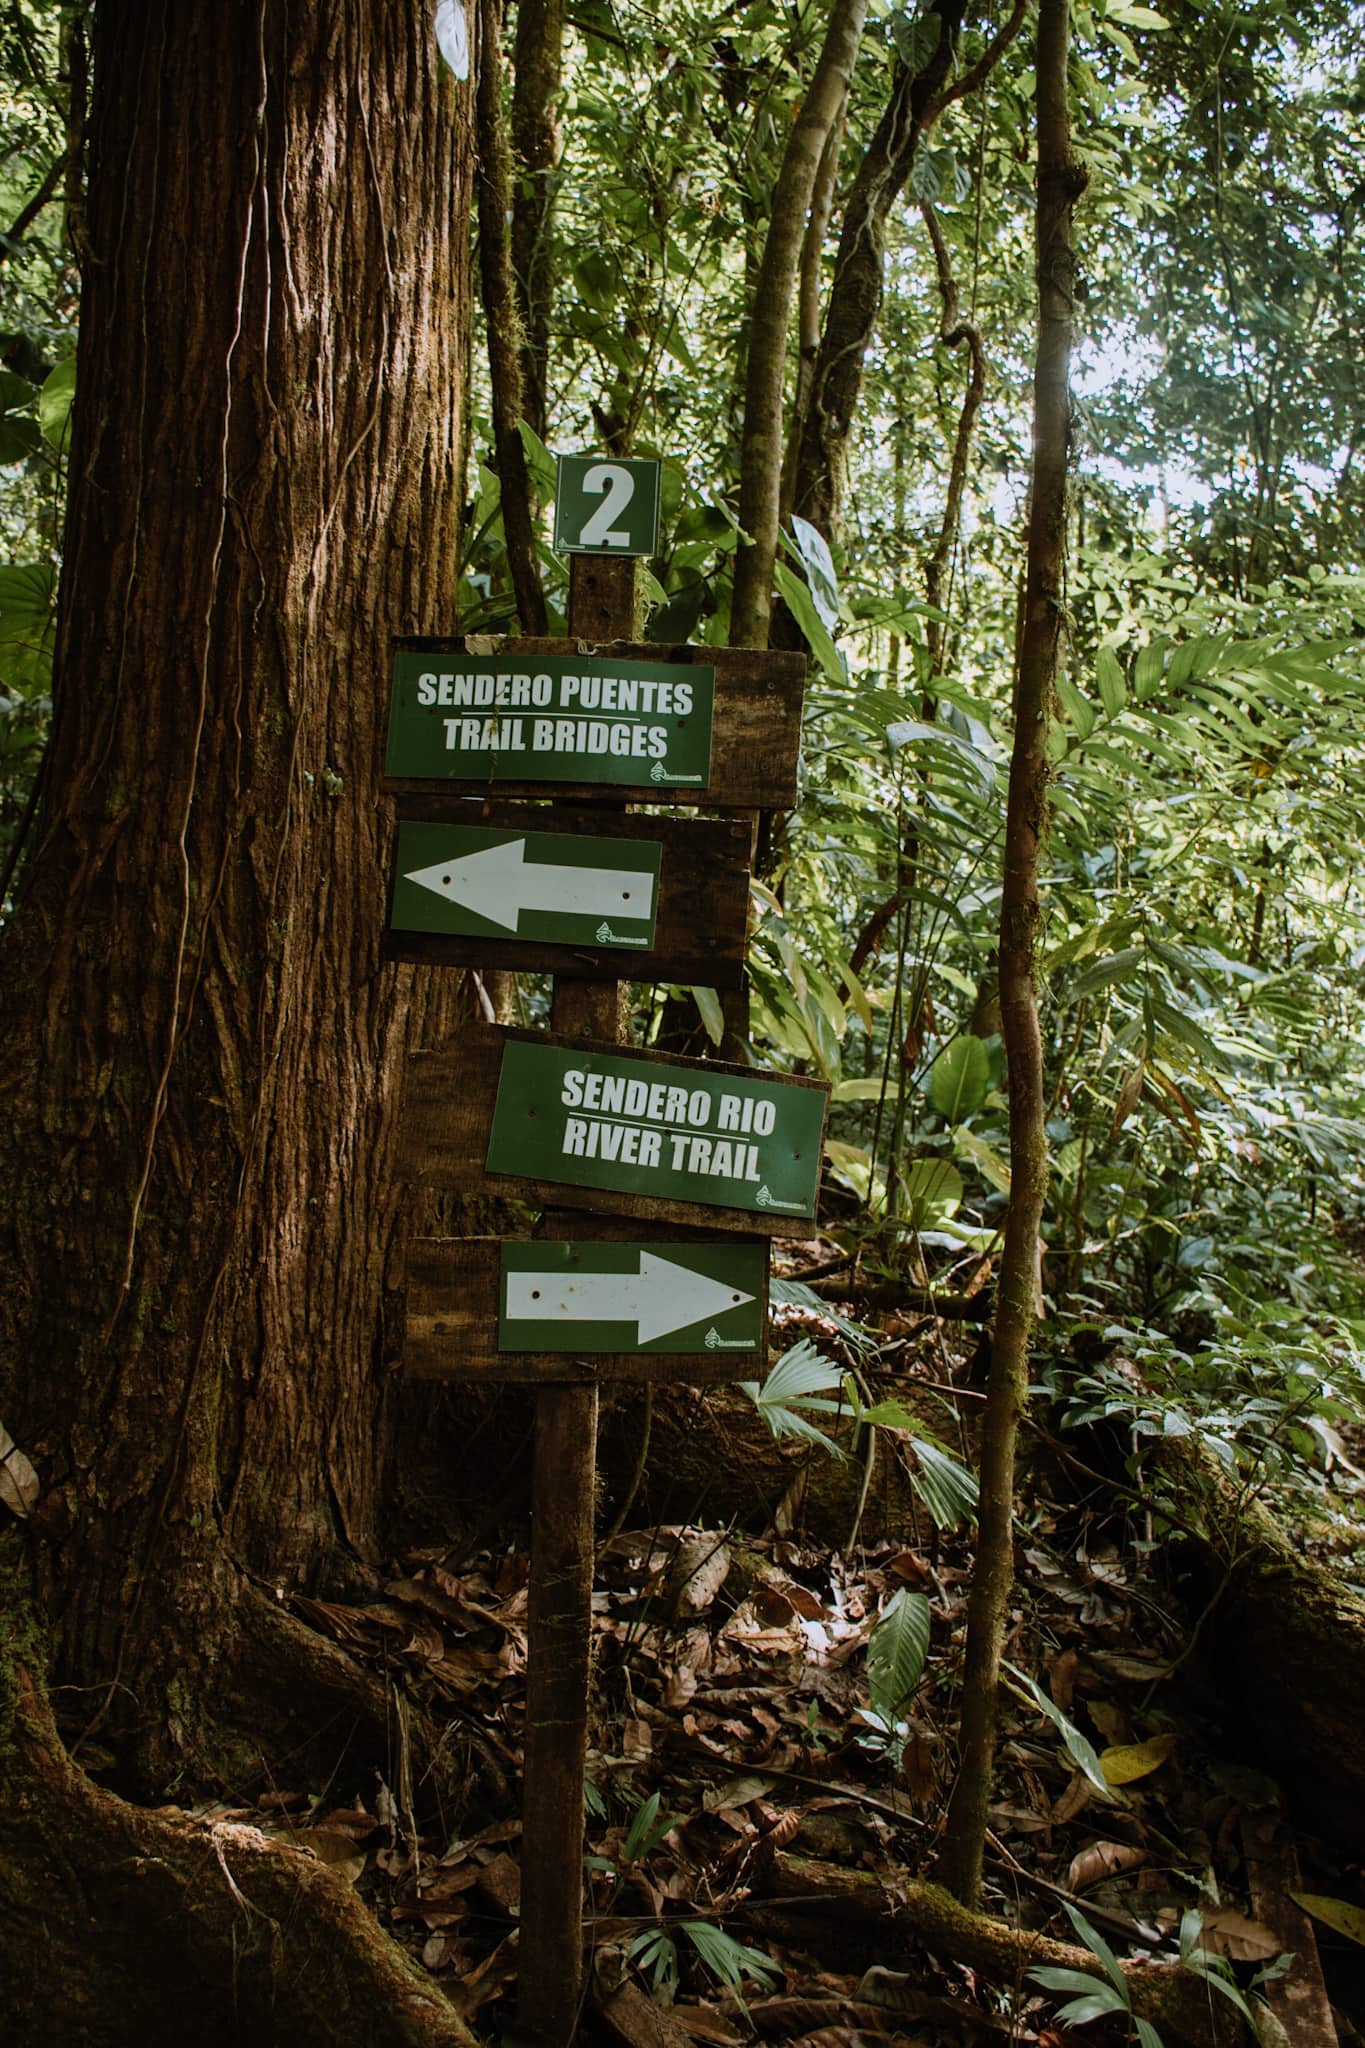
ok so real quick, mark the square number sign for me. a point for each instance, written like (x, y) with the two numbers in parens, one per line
(606, 506)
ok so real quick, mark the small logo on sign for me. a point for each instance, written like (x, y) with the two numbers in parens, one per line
(658, 773)
(605, 934)
(764, 1197)
(712, 1338)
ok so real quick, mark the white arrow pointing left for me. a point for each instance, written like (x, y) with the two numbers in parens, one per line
(499, 883)
(659, 1298)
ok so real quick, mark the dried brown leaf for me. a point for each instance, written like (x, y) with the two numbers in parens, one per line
(1062, 1680)
(1076, 1795)
(1102, 1859)
(19, 1487)
(1226, 1932)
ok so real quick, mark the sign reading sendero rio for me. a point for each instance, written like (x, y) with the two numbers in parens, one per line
(632, 1297)
(548, 886)
(644, 1127)
(471, 717)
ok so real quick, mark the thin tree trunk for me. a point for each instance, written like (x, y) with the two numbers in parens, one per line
(1060, 183)
(855, 297)
(203, 1046)
(539, 61)
(953, 332)
(770, 320)
(502, 320)
(808, 302)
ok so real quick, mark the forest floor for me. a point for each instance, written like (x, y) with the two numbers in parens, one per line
(752, 1827)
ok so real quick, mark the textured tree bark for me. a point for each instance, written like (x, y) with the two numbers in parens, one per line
(770, 320)
(538, 58)
(199, 1094)
(502, 321)
(1061, 180)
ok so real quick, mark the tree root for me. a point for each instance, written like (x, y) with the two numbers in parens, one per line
(121, 1924)
(1179, 2005)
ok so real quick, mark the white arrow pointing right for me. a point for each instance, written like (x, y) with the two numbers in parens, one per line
(660, 1298)
(499, 883)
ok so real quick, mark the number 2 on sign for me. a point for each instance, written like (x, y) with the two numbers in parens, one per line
(618, 488)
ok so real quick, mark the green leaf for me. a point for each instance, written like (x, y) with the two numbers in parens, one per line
(819, 566)
(708, 1002)
(801, 605)
(1098, 1946)
(1338, 1914)
(933, 1191)
(1078, 1749)
(916, 38)
(1078, 708)
(897, 1651)
(797, 1381)
(960, 1079)
(19, 431)
(55, 401)
(1110, 682)
(948, 1490)
(727, 1959)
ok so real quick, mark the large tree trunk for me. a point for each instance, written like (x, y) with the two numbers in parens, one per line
(200, 1080)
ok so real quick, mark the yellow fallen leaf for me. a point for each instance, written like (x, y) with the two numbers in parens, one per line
(1135, 1759)
(1337, 1913)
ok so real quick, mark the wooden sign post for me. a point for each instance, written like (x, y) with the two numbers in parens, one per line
(629, 1151)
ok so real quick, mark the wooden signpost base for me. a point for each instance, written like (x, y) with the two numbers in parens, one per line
(661, 1178)
(602, 606)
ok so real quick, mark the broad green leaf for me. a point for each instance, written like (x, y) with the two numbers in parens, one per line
(712, 1016)
(798, 1381)
(1147, 669)
(960, 1079)
(1098, 1946)
(802, 607)
(729, 1960)
(1109, 680)
(1077, 708)
(948, 1490)
(55, 402)
(1080, 1751)
(1339, 1914)
(897, 1651)
(819, 566)
(933, 1190)
(19, 430)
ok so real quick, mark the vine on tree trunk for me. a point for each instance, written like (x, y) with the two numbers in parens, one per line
(1061, 180)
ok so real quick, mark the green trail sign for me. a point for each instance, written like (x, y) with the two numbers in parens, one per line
(464, 716)
(651, 1128)
(583, 1297)
(606, 506)
(550, 886)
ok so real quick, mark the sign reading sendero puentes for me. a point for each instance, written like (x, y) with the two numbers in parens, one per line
(541, 718)
(553, 887)
(632, 1297)
(643, 1127)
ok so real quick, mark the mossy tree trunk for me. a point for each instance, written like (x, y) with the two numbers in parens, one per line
(203, 1052)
